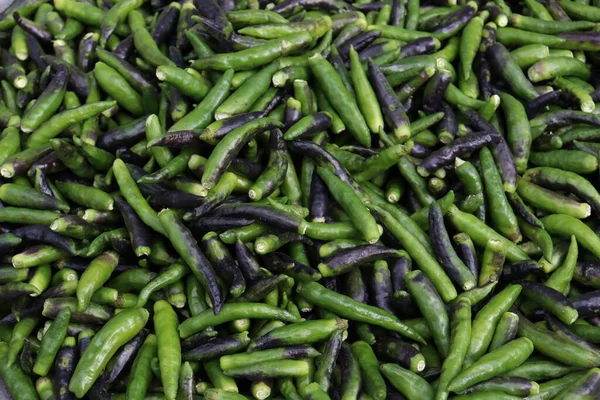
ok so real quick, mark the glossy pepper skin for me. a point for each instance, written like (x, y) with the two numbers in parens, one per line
(18, 383)
(338, 303)
(337, 148)
(341, 100)
(232, 312)
(168, 345)
(431, 308)
(502, 359)
(117, 331)
(483, 325)
(460, 331)
(53, 339)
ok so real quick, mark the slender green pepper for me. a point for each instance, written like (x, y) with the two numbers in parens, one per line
(460, 337)
(506, 330)
(348, 200)
(367, 101)
(141, 373)
(548, 343)
(94, 276)
(18, 383)
(425, 260)
(168, 347)
(340, 98)
(255, 57)
(116, 332)
(565, 225)
(345, 307)
(481, 233)
(10, 143)
(51, 342)
(132, 194)
(486, 320)
(501, 360)
(431, 306)
(20, 332)
(59, 122)
(370, 372)
(231, 312)
(502, 214)
(411, 385)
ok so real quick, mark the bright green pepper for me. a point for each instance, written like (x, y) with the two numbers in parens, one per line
(116, 332)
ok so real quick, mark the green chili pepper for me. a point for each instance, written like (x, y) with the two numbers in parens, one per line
(116, 86)
(425, 260)
(353, 310)
(459, 339)
(231, 312)
(370, 372)
(117, 331)
(141, 373)
(331, 84)
(496, 362)
(168, 347)
(486, 320)
(19, 384)
(407, 382)
(51, 343)
(254, 57)
(57, 123)
(20, 332)
(568, 226)
(94, 276)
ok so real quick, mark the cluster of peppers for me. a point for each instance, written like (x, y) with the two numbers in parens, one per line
(300, 199)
